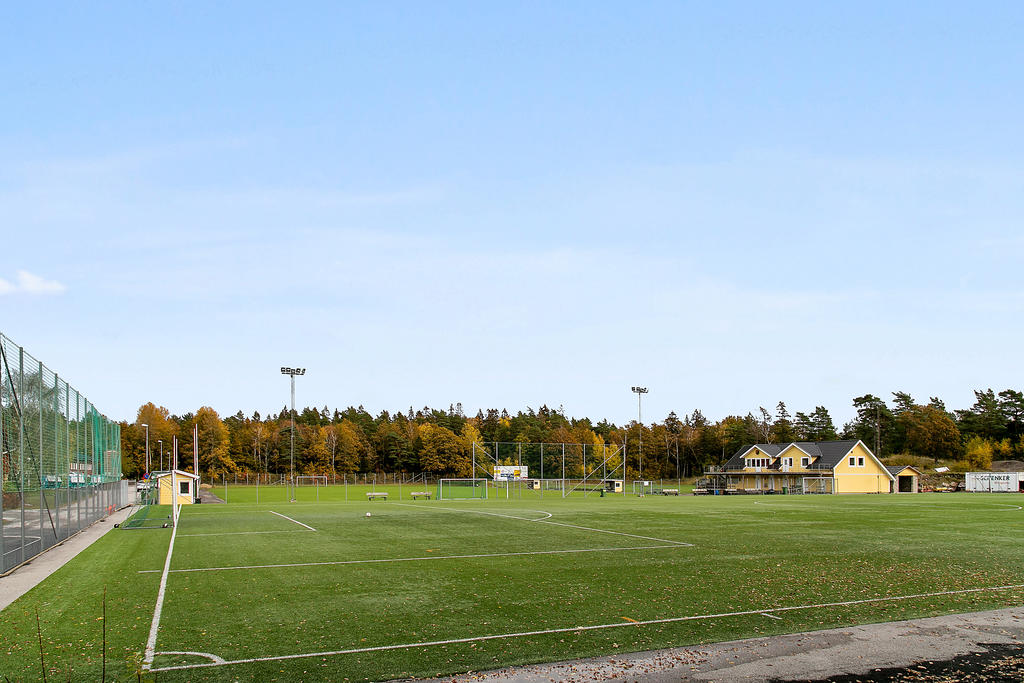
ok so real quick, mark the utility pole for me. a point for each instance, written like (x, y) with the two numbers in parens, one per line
(147, 448)
(291, 476)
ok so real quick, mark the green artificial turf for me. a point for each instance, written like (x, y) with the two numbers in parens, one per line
(533, 572)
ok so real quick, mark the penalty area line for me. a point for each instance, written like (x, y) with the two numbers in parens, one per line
(580, 629)
(291, 520)
(547, 520)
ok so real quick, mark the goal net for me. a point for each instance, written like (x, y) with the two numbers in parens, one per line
(449, 489)
(643, 488)
(817, 484)
(311, 480)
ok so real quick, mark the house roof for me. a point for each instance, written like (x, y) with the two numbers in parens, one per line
(896, 469)
(828, 453)
(180, 473)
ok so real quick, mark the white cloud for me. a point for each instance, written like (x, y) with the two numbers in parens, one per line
(29, 283)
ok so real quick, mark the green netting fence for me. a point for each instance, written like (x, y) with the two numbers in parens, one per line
(60, 459)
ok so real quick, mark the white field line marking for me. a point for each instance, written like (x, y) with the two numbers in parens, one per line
(545, 520)
(617, 533)
(291, 520)
(479, 512)
(413, 559)
(147, 661)
(244, 533)
(770, 616)
(214, 658)
(579, 629)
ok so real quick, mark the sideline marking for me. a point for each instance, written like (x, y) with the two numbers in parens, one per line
(411, 559)
(574, 629)
(770, 616)
(147, 661)
(243, 533)
(291, 520)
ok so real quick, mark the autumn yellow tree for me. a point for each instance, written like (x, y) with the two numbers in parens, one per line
(442, 451)
(470, 435)
(979, 453)
(350, 447)
(161, 428)
(214, 458)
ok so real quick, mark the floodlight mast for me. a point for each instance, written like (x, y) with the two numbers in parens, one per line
(291, 476)
(640, 391)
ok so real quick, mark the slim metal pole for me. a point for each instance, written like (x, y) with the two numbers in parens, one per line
(147, 448)
(292, 465)
(42, 493)
(21, 447)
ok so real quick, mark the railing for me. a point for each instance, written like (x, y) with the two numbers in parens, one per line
(775, 467)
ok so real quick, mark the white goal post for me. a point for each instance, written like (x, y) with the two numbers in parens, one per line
(311, 480)
(818, 484)
(643, 487)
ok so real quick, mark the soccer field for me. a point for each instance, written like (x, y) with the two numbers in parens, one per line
(316, 590)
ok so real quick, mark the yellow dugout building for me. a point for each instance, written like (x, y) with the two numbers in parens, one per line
(186, 484)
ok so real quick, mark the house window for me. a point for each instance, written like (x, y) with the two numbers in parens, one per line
(757, 462)
(787, 462)
(183, 486)
(804, 462)
(860, 461)
(853, 461)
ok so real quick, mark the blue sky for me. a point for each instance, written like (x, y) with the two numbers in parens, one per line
(511, 204)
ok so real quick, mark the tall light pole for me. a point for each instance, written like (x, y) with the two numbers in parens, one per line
(161, 442)
(147, 447)
(291, 476)
(640, 391)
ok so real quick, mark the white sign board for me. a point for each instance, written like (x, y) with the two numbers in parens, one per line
(510, 472)
(994, 481)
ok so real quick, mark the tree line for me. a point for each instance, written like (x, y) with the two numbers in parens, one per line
(328, 442)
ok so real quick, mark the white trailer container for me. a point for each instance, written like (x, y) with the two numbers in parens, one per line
(995, 482)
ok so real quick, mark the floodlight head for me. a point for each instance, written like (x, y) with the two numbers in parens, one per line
(293, 371)
(145, 425)
(639, 390)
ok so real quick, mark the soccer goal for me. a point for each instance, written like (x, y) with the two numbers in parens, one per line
(643, 488)
(311, 480)
(450, 489)
(817, 484)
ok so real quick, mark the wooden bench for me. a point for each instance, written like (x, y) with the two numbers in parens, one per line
(670, 492)
(375, 496)
(417, 494)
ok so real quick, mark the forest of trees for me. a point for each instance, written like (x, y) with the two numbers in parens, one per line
(440, 441)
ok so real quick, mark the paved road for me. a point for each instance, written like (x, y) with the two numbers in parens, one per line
(861, 652)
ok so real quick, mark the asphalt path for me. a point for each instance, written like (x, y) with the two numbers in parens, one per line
(981, 646)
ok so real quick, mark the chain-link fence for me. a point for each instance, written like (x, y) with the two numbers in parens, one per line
(60, 459)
